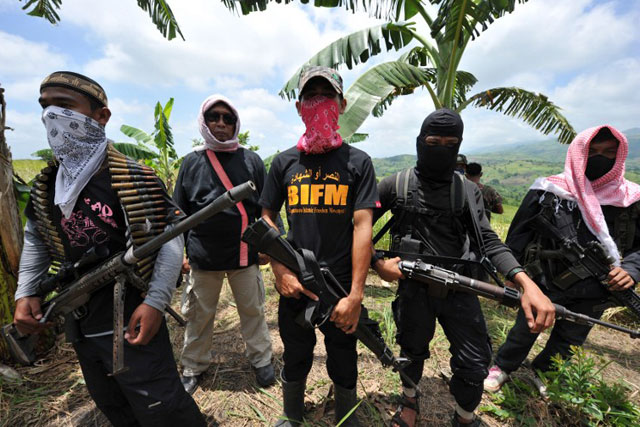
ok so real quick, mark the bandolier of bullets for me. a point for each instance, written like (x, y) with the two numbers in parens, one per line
(42, 209)
(142, 198)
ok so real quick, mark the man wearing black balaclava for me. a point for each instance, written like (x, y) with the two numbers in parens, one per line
(435, 213)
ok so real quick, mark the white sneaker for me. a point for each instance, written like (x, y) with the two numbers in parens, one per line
(497, 377)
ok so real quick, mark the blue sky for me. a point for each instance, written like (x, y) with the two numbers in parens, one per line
(583, 54)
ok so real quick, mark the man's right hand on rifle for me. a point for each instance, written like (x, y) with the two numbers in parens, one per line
(619, 280)
(28, 314)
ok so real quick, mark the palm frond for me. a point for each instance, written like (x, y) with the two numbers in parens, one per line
(381, 9)
(473, 15)
(135, 151)
(161, 15)
(163, 135)
(375, 85)
(534, 109)
(353, 49)
(355, 138)
(419, 56)
(137, 134)
(44, 9)
(464, 82)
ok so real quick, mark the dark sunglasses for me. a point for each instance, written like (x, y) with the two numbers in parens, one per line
(214, 116)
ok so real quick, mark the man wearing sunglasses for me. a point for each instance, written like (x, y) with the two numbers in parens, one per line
(214, 249)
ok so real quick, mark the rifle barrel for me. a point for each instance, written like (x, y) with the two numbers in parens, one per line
(226, 200)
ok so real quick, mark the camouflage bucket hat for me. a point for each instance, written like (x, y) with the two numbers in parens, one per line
(326, 73)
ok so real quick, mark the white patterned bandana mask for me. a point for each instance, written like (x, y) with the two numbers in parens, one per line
(79, 143)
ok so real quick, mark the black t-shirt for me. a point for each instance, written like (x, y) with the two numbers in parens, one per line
(321, 192)
(97, 220)
(215, 244)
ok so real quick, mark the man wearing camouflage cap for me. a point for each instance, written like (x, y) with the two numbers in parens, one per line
(77, 206)
(329, 189)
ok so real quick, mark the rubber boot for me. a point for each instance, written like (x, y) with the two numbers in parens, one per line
(293, 402)
(346, 399)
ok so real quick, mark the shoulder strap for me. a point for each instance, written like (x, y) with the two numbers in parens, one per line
(624, 228)
(217, 167)
(402, 186)
(458, 195)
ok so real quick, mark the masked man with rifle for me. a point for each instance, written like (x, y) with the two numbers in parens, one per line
(329, 189)
(578, 235)
(93, 199)
(438, 216)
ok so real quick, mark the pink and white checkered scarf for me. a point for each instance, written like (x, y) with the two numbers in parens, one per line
(610, 189)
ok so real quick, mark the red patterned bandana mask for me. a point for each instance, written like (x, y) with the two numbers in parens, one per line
(320, 116)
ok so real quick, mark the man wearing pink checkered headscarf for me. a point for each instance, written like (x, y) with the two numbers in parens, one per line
(590, 201)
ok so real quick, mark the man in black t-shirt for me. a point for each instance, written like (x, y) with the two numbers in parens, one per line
(329, 190)
(426, 222)
(76, 208)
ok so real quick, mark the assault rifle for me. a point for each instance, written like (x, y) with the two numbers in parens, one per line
(119, 268)
(591, 260)
(323, 283)
(437, 276)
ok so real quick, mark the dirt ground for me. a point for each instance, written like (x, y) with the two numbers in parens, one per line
(53, 392)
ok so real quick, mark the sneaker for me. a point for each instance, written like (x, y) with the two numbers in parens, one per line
(497, 377)
(265, 376)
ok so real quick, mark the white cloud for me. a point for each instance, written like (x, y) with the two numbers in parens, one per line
(583, 54)
(610, 95)
(20, 57)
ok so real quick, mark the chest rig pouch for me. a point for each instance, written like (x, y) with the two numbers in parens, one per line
(410, 227)
(544, 257)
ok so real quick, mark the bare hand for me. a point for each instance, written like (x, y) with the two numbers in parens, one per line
(263, 259)
(185, 266)
(287, 283)
(149, 320)
(28, 314)
(388, 269)
(346, 314)
(619, 280)
(534, 301)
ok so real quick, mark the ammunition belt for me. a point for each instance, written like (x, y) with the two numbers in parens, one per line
(142, 198)
(40, 193)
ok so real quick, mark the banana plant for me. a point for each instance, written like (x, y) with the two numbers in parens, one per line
(156, 149)
(159, 12)
(429, 60)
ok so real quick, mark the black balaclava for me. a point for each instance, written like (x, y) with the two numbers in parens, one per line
(437, 163)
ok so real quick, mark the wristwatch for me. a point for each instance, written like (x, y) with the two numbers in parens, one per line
(375, 258)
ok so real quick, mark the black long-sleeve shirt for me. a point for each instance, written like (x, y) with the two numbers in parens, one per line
(441, 227)
(214, 245)
(521, 232)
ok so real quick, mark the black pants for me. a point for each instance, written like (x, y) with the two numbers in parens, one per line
(564, 334)
(299, 342)
(461, 318)
(148, 394)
